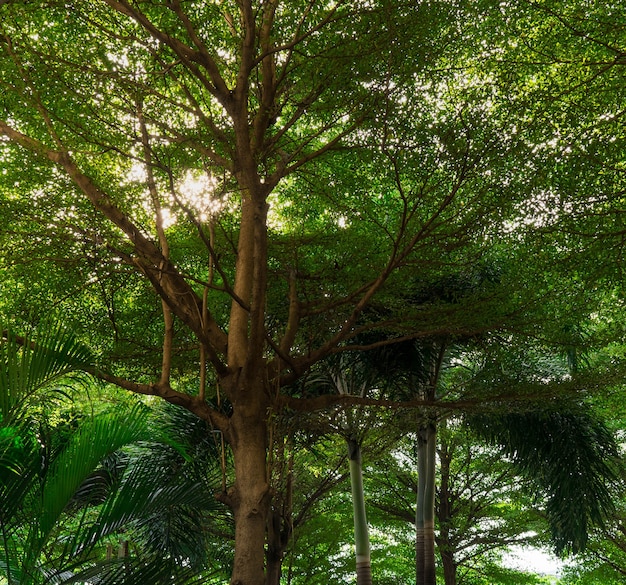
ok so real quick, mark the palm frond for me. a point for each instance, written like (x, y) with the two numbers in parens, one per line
(97, 438)
(29, 364)
(133, 572)
(569, 456)
(146, 493)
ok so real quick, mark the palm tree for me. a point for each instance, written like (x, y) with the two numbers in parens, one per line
(62, 497)
(571, 460)
(27, 368)
(352, 376)
(349, 374)
(415, 368)
(568, 454)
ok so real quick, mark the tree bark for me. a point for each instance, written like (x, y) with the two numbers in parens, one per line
(449, 567)
(361, 532)
(275, 550)
(425, 510)
(444, 516)
(249, 497)
(274, 565)
(280, 525)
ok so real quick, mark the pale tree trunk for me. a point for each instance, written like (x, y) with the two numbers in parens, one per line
(361, 531)
(425, 510)
(425, 573)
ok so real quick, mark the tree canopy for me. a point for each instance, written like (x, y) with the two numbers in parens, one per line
(219, 195)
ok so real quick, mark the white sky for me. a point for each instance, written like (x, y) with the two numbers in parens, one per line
(534, 561)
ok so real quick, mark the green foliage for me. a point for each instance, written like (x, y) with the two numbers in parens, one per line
(66, 488)
(494, 572)
(570, 457)
(461, 160)
(28, 365)
(58, 523)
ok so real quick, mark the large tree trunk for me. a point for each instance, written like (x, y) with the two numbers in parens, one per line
(425, 510)
(250, 494)
(246, 387)
(361, 531)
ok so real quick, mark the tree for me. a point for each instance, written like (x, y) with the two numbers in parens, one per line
(68, 489)
(113, 116)
(481, 507)
(319, 519)
(566, 451)
(602, 561)
(355, 377)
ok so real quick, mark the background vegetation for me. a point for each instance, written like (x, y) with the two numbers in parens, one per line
(311, 291)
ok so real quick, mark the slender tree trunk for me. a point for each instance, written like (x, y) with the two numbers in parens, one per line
(449, 567)
(280, 525)
(277, 540)
(361, 531)
(425, 510)
(275, 556)
(444, 515)
(274, 568)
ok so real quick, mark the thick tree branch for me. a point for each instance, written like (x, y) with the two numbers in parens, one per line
(192, 403)
(162, 273)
